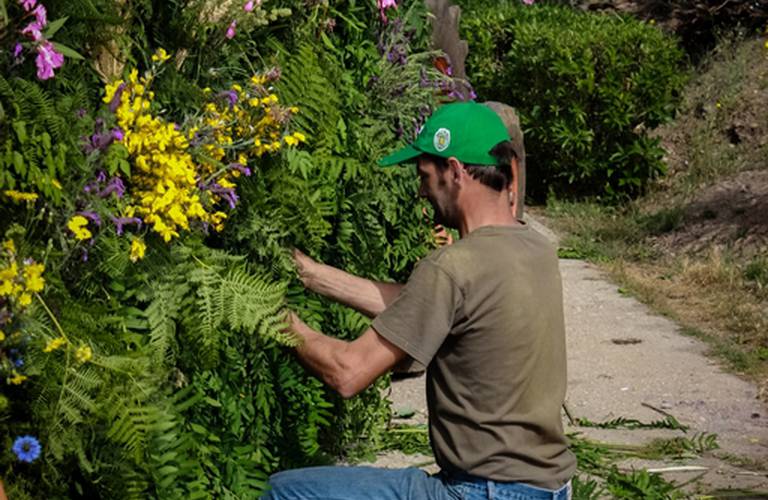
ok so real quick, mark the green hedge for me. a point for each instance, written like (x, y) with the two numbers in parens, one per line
(588, 87)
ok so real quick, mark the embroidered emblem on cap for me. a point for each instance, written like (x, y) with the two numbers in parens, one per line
(442, 139)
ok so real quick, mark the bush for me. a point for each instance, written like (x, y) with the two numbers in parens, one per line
(587, 88)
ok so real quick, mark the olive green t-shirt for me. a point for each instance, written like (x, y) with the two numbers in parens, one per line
(485, 315)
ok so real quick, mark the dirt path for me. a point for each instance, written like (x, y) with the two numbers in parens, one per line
(621, 355)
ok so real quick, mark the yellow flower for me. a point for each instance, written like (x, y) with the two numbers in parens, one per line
(2, 335)
(160, 56)
(56, 184)
(33, 277)
(77, 225)
(25, 299)
(9, 273)
(300, 137)
(258, 80)
(19, 196)
(84, 353)
(138, 247)
(55, 344)
(290, 140)
(10, 246)
(17, 378)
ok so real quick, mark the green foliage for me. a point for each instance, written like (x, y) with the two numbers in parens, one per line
(668, 422)
(640, 484)
(36, 144)
(190, 391)
(587, 88)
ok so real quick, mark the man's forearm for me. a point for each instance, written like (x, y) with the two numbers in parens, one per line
(366, 296)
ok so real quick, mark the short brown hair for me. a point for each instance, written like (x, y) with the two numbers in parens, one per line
(497, 177)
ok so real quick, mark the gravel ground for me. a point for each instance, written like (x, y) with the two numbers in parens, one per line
(621, 356)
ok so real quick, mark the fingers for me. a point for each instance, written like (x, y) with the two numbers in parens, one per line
(304, 266)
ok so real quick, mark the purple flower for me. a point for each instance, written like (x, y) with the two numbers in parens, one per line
(231, 30)
(28, 4)
(226, 193)
(241, 168)
(119, 222)
(17, 49)
(93, 216)
(41, 15)
(115, 102)
(117, 134)
(33, 31)
(26, 448)
(99, 141)
(115, 185)
(80, 113)
(231, 96)
(47, 60)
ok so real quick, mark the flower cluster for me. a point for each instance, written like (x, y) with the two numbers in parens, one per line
(164, 187)
(248, 7)
(18, 282)
(180, 175)
(20, 279)
(19, 197)
(48, 58)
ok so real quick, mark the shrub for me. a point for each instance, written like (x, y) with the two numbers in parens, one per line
(587, 88)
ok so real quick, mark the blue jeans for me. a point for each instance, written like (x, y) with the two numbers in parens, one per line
(364, 483)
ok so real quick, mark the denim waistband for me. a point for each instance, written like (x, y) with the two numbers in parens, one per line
(563, 493)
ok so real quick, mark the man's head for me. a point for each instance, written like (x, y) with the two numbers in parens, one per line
(463, 151)
(448, 183)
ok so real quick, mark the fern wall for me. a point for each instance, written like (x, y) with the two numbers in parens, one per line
(187, 388)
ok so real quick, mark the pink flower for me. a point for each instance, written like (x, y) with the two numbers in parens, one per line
(248, 7)
(47, 60)
(41, 15)
(231, 30)
(528, 2)
(33, 31)
(28, 4)
(385, 4)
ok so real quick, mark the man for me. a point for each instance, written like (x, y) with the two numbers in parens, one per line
(483, 314)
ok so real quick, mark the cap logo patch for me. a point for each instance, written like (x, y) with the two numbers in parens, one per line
(442, 139)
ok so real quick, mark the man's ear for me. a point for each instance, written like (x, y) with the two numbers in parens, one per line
(455, 168)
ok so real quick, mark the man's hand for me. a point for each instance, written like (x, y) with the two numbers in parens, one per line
(306, 267)
(295, 325)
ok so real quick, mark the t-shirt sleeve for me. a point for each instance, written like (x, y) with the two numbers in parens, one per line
(420, 318)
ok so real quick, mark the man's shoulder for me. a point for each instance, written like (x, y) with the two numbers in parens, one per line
(492, 245)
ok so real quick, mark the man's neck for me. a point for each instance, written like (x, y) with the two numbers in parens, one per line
(488, 210)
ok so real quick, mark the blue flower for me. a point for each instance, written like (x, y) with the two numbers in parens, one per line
(27, 448)
(19, 362)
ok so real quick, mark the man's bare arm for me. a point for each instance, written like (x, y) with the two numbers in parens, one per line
(365, 296)
(347, 367)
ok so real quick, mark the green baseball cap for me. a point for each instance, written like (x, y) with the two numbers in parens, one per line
(465, 130)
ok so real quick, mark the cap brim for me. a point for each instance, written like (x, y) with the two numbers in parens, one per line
(405, 155)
